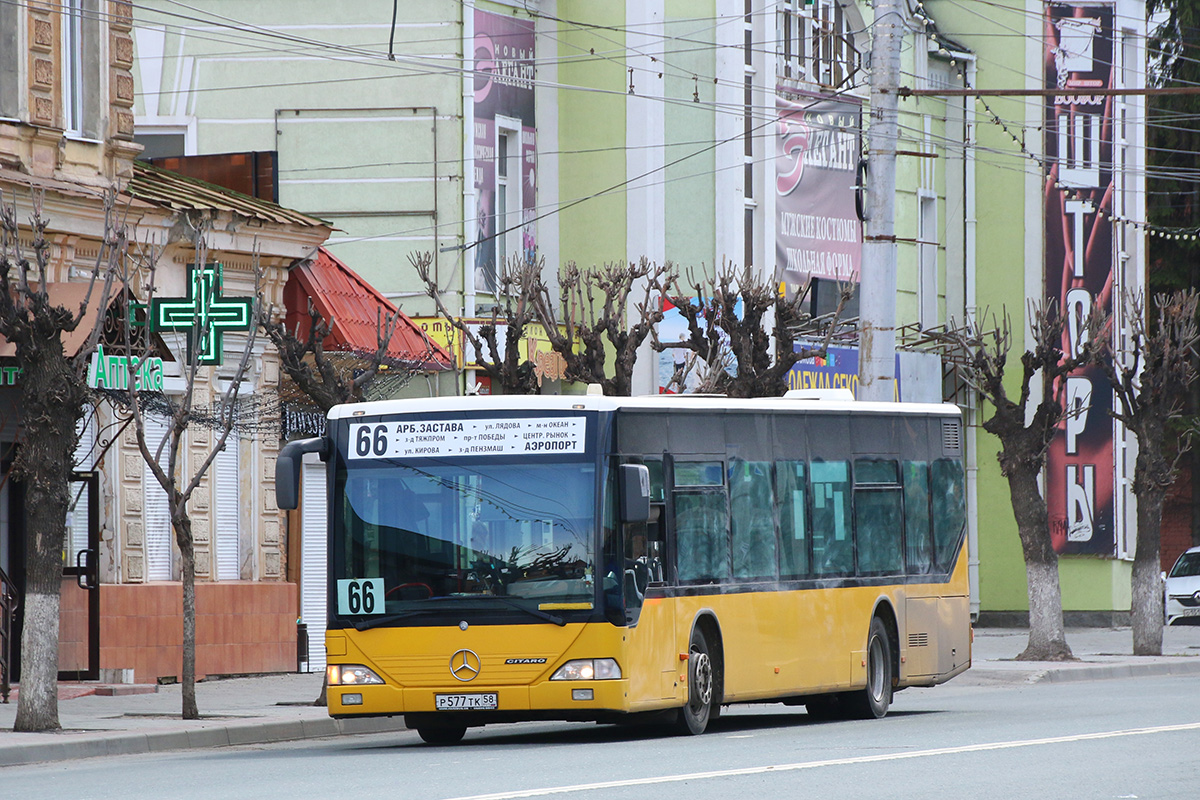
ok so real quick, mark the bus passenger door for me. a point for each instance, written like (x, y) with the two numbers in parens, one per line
(653, 668)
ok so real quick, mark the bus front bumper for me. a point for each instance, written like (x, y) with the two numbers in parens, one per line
(545, 700)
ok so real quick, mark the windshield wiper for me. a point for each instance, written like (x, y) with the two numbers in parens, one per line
(557, 620)
(376, 622)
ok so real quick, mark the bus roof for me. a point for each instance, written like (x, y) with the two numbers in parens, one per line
(658, 402)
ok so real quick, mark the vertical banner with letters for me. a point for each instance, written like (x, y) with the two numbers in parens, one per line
(817, 230)
(1078, 135)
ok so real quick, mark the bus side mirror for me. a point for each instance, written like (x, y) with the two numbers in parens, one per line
(287, 469)
(635, 492)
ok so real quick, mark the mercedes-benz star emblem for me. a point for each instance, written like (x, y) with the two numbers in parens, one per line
(464, 665)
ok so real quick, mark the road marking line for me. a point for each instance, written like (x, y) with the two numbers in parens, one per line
(731, 773)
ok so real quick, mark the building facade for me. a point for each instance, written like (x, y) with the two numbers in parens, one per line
(66, 141)
(1063, 221)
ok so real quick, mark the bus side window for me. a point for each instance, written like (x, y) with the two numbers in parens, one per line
(949, 509)
(916, 518)
(878, 523)
(752, 519)
(833, 550)
(701, 521)
(790, 488)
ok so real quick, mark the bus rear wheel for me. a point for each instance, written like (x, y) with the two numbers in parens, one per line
(441, 734)
(872, 702)
(694, 717)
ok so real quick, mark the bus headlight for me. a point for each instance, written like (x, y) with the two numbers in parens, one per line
(351, 675)
(588, 669)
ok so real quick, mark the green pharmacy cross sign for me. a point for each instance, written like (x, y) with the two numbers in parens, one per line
(204, 314)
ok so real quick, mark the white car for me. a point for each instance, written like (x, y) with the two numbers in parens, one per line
(1182, 590)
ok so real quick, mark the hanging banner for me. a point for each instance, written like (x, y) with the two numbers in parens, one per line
(504, 73)
(817, 230)
(1078, 135)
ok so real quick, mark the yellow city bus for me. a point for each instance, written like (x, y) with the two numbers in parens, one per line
(499, 559)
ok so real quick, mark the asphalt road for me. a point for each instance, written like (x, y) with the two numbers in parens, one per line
(1128, 738)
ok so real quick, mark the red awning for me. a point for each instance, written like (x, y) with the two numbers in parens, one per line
(353, 309)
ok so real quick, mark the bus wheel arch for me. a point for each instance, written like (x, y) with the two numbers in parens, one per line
(881, 656)
(885, 612)
(706, 671)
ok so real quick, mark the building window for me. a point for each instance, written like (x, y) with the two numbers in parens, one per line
(508, 196)
(10, 61)
(80, 67)
(157, 512)
(816, 43)
(927, 255)
(72, 65)
(227, 538)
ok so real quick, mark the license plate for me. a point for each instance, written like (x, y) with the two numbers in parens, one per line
(1190, 612)
(484, 701)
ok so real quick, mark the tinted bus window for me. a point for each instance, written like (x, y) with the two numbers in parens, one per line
(916, 517)
(877, 516)
(949, 508)
(752, 519)
(790, 487)
(701, 522)
(833, 551)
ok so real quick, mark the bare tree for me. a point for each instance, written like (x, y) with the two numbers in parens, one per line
(53, 394)
(727, 325)
(1150, 377)
(496, 344)
(1024, 441)
(165, 461)
(595, 310)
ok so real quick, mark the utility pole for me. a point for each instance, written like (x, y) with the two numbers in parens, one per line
(877, 289)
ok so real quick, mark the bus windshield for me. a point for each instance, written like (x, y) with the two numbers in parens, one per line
(437, 531)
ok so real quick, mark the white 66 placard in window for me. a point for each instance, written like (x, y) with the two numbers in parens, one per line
(358, 596)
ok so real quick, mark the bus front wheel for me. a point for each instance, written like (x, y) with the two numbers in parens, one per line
(441, 734)
(873, 701)
(693, 717)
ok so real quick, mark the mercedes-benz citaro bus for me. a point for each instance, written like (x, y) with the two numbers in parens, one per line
(508, 558)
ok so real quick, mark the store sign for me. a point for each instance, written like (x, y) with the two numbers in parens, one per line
(434, 438)
(113, 371)
(204, 314)
(10, 376)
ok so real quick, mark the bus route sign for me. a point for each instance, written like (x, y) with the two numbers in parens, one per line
(438, 438)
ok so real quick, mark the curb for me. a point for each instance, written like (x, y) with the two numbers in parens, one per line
(1071, 673)
(58, 748)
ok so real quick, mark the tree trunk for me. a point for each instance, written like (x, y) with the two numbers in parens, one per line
(1047, 634)
(37, 702)
(1146, 609)
(52, 397)
(187, 558)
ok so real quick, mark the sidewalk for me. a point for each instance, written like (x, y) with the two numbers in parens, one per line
(110, 720)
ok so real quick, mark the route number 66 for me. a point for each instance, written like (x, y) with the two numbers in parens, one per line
(360, 596)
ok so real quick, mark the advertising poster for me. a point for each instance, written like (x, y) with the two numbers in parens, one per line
(817, 230)
(504, 74)
(1079, 265)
